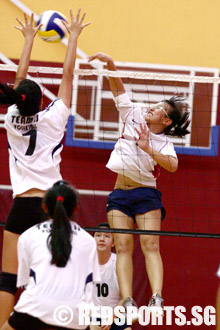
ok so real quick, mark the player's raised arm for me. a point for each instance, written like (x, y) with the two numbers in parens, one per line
(29, 32)
(74, 28)
(116, 84)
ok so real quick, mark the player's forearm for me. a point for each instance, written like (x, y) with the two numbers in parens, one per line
(70, 58)
(116, 84)
(24, 60)
(169, 163)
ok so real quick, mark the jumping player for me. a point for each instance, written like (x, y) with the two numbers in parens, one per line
(34, 138)
(50, 264)
(137, 157)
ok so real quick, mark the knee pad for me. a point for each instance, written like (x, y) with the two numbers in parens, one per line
(8, 282)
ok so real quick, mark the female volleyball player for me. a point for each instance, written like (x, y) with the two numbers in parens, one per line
(50, 265)
(106, 293)
(34, 138)
(136, 158)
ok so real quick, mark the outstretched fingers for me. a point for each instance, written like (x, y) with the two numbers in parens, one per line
(86, 24)
(66, 25)
(20, 22)
(27, 27)
(101, 56)
(143, 133)
(92, 57)
(82, 18)
(32, 19)
(25, 19)
(76, 24)
(78, 14)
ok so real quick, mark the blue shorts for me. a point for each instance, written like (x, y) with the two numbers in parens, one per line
(135, 201)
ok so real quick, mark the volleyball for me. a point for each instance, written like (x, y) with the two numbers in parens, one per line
(52, 29)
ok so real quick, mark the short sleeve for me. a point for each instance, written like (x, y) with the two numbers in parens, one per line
(12, 108)
(123, 105)
(57, 113)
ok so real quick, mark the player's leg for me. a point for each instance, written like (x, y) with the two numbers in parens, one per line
(8, 275)
(25, 212)
(6, 326)
(150, 246)
(124, 250)
(94, 327)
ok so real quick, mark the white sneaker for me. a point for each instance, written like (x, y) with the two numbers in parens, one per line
(156, 305)
(129, 302)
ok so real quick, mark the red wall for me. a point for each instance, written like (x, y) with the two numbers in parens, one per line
(192, 200)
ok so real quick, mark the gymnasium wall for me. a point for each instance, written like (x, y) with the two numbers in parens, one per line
(182, 32)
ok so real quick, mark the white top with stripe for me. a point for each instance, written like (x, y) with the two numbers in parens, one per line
(48, 286)
(35, 146)
(107, 292)
(127, 158)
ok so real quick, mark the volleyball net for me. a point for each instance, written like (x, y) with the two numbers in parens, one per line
(191, 195)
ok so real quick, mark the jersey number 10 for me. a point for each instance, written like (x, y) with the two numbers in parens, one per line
(102, 289)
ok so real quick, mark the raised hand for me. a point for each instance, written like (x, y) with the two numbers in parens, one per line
(143, 140)
(76, 24)
(27, 28)
(101, 57)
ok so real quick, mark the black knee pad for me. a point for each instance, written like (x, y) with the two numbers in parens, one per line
(8, 282)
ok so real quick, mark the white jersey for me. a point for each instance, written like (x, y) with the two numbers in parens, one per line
(49, 286)
(107, 293)
(127, 158)
(35, 146)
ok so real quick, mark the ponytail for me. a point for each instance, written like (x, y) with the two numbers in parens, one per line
(180, 128)
(179, 116)
(59, 240)
(27, 97)
(61, 200)
(9, 95)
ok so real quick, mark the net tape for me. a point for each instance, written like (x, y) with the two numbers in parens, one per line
(118, 74)
(151, 232)
(147, 232)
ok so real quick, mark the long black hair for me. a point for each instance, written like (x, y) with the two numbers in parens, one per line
(179, 115)
(61, 200)
(27, 96)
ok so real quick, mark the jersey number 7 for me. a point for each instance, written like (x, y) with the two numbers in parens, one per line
(32, 141)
